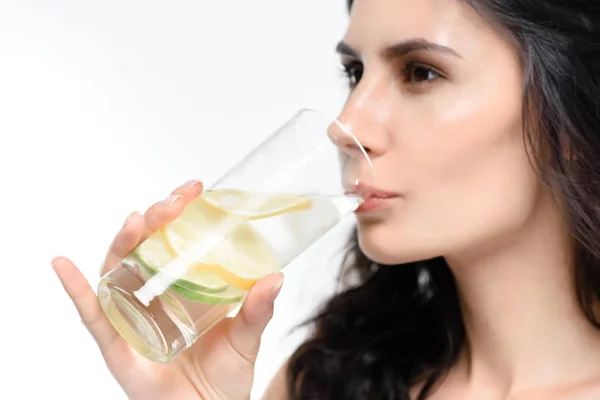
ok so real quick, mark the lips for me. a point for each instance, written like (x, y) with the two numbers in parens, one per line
(373, 198)
(369, 192)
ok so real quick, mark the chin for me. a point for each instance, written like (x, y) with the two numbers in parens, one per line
(387, 248)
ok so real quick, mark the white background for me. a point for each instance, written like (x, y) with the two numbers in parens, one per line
(105, 107)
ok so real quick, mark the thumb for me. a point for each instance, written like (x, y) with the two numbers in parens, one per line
(248, 325)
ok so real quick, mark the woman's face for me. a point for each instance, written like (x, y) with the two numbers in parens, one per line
(437, 103)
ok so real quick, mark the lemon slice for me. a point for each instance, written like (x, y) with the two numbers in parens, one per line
(241, 259)
(153, 255)
(239, 282)
(249, 206)
(236, 254)
(215, 244)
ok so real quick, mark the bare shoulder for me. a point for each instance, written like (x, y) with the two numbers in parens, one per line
(277, 387)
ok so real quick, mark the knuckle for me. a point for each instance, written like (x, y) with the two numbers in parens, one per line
(92, 321)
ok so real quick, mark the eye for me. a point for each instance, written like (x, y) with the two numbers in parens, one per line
(353, 72)
(415, 73)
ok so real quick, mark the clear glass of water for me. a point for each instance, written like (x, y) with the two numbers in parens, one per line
(268, 209)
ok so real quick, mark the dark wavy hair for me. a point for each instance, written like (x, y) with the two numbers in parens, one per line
(401, 326)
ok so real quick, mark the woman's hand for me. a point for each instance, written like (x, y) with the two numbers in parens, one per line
(220, 365)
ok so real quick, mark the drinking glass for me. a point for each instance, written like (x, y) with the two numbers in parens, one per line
(261, 215)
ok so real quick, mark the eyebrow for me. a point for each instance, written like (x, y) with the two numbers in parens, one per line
(400, 49)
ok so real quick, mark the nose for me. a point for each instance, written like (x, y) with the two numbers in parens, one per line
(354, 160)
(361, 132)
(366, 115)
(345, 140)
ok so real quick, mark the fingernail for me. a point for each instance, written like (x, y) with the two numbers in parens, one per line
(276, 289)
(192, 183)
(169, 201)
(129, 218)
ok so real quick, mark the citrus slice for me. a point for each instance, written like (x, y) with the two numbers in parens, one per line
(242, 258)
(248, 205)
(194, 227)
(239, 282)
(235, 252)
(214, 243)
(211, 299)
(153, 255)
(227, 296)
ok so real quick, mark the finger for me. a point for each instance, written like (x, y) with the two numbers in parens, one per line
(135, 229)
(189, 190)
(161, 213)
(88, 307)
(256, 312)
(125, 242)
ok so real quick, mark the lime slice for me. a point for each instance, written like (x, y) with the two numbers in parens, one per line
(228, 296)
(211, 299)
(153, 255)
(248, 205)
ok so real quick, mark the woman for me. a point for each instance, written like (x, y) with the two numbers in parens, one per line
(479, 274)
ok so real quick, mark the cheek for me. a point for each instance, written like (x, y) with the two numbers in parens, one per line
(483, 193)
(477, 178)
(472, 201)
(468, 180)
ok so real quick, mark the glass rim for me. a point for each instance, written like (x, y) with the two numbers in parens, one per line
(309, 131)
(328, 116)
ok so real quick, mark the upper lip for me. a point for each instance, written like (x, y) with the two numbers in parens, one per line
(370, 192)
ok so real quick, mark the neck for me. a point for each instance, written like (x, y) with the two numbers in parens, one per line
(524, 325)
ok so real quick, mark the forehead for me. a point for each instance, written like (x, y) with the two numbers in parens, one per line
(375, 24)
